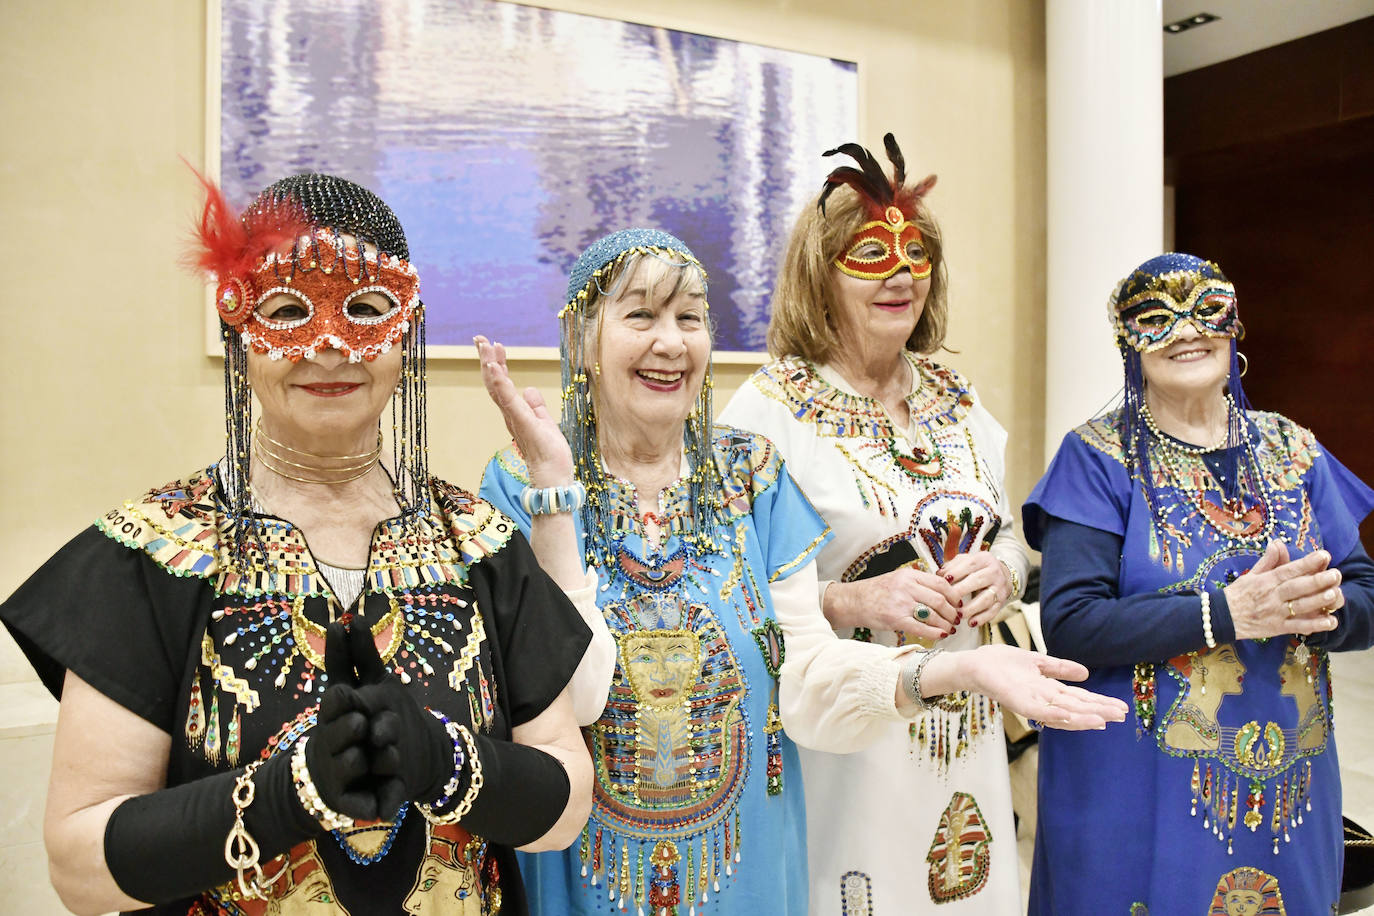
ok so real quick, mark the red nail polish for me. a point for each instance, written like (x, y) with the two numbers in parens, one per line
(960, 604)
(949, 578)
(943, 635)
(958, 618)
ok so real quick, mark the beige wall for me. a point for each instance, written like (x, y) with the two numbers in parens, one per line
(107, 390)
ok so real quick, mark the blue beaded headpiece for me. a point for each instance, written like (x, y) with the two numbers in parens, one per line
(596, 274)
(1173, 269)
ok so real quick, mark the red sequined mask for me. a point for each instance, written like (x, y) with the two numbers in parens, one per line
(882, 247)
(326, 278)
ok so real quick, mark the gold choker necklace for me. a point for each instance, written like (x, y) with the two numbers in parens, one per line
(279, 463)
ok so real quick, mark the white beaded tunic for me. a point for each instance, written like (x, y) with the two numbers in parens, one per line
(921, 820)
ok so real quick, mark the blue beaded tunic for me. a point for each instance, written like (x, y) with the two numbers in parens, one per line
(698, 803)
(1222, 790)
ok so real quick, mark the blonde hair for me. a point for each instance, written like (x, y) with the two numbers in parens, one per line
(801, 322)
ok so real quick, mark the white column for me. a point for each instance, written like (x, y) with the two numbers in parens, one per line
(1105, 137)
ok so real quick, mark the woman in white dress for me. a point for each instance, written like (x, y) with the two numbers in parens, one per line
(906, 466)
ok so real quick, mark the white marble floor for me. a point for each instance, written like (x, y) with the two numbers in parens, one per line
(1353, 676)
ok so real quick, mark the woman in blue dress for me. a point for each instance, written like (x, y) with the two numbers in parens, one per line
(699, 550)
(1201, 559)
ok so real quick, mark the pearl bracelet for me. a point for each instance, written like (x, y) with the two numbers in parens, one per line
(310, 796)
(911, 680)
(552, 500)
(1207, 619)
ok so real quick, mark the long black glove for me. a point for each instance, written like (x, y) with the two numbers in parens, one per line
(524, 790)
(338, 753)
(410, 752)
(188, 824)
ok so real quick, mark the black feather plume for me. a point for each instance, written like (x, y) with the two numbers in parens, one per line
(894, 153)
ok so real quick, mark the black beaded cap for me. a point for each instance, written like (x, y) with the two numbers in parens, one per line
(331, 202)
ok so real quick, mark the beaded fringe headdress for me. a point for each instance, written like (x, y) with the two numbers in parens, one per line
(598, 273)
(231, 245)
(1157, 273)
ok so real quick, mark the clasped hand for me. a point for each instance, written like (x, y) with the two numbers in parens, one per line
(972, 586)
(1279, 596)
(373, 747)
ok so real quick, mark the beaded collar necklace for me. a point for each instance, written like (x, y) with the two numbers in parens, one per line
(1231, 518)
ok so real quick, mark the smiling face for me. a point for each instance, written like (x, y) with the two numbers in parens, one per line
(1190, 365)
(324, 399)
(1179, 313)
(875, 313)
(651, 348)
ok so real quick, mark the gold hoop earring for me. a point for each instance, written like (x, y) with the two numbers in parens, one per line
(596, 369)
(1244, 363)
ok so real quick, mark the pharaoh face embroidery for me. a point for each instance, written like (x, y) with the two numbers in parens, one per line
(661, 665)
(671, 749)
(959, 856)
(1247, 892)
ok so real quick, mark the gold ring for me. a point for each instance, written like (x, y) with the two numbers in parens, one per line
(1290, 609)
(1329, 610)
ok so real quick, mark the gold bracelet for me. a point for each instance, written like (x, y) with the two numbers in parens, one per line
(310, 796)
(240, 849)
(1015, 579)
(474, 786)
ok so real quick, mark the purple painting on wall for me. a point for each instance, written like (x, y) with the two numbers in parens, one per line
(508, 137)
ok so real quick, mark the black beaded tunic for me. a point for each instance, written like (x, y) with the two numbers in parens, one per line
(151, 608)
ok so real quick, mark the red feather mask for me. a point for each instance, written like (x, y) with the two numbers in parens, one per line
(890, 239)
(291, 289)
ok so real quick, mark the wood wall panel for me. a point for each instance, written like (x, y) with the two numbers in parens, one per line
(1274, 172)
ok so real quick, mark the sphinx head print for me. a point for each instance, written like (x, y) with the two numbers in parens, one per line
(303, 888)
(446, 882)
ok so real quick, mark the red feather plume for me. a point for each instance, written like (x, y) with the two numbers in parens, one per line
(228, 246)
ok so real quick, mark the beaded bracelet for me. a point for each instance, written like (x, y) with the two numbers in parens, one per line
(911, 681)
(552, 500)
(474, 786)
(310, 796)
(450, 787)
(240, 849)
(1207, 619)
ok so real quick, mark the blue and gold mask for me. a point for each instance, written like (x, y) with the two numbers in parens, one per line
(1152, 306)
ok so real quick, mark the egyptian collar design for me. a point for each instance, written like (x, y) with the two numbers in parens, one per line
(889, 240)
(1152, 306)
(325, 275)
